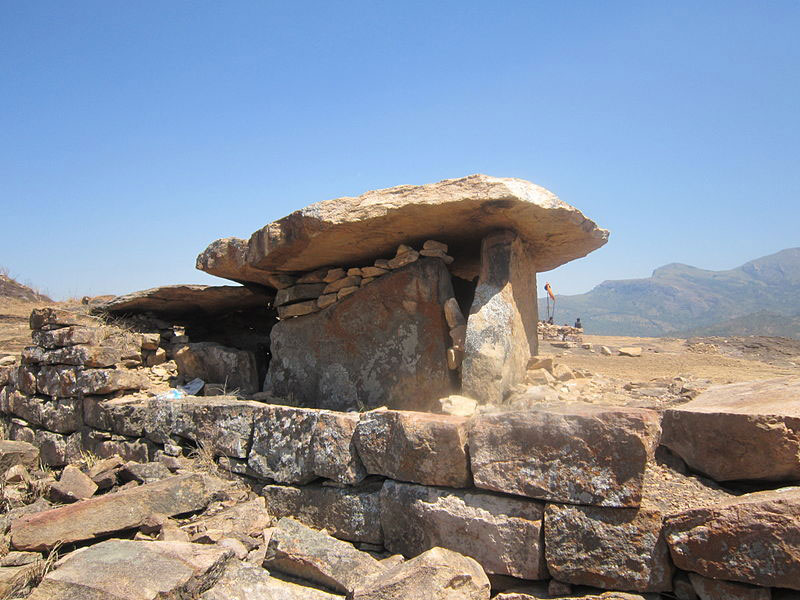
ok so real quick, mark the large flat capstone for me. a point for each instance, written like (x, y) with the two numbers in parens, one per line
(459, 212)
(384, 345)
(747, 430)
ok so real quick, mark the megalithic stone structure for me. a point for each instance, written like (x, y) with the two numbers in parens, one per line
(369, 285)
(502, 323)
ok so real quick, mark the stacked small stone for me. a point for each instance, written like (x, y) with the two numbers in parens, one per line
(75, 359)
(317, 290)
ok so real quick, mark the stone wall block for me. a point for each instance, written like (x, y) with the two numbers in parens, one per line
(754, 539)
(297, 445)
(425, 448)
(610, 548)
(572, 453)
(348, 513)
(504, 534)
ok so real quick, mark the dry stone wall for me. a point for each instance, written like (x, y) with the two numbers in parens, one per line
(576, 494)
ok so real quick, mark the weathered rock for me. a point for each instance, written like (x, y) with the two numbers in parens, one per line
(62, 415)
(108, 381)
(403, 259)
(326, 300)
(303, 552)
(67, 336)
(634, 351)
(246, 519)
(131, 570)
(298, 309)
(73, 485)
(624, 548)
(173, 300)
(55, 449)
(316, 276)
(348, 513)
(297, 445)
(213, 362)
(18, 453)
(222, 424)
(55, 318)
(459, 406)
(456, 211)
(106, 514)
(745, 430)
(243, 581)
(714, 589)
(346, 291)
(505, 535)
(453, 314)
(334, 275)
(345, 282)
(437, 254)
(539, 377)
(754, 539)
(501, 328)
(79, 355)
(19, 559)
(385, 345)
(422, 448)
(437, 574)
(563, 373)
(373, 271)
(540, 592)
(144, 472)
(571, 453)
(301, 291)
(605, 351)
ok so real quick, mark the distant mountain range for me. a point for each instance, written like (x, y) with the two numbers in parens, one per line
(761, 297)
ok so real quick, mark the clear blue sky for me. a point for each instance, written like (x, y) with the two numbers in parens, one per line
(132, 134)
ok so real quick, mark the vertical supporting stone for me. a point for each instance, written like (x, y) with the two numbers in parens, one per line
(501, 327)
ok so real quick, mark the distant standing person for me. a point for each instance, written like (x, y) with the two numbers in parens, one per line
(578, 324)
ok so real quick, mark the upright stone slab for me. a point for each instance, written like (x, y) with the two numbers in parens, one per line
(501, 328)
(385, 344)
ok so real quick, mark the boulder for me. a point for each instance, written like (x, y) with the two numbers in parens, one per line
(457, 212)
(312, 555)
(501, 327)
(385, 344)
(351, 513)
(102, 515)
(740, 431)
(298, 445)
(73, 485)
(437, 574)
(133, 570)
(572, 453)
(243, 581)
(504, 534)
(714, 589)
(214, 362)
(424, 448)
(764, 528)
(18, 453)
(633, 351)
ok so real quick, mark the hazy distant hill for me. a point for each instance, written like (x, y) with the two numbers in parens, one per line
(680, 298)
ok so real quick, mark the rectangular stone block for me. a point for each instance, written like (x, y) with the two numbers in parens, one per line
(411, 446)
(302, 291)
(297, 445)
(60, 415)
(572, 453)
(504, 534)
(348, 513)
(67, 336)
(754, 539)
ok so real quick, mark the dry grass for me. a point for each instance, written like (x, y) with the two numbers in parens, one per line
(204, 458)
(15, 331)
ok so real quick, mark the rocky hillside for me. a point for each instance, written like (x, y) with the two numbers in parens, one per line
(9, 288)
(763, 293)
